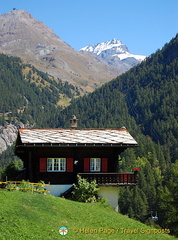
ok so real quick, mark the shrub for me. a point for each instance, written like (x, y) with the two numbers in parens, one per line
(85, 191)
(26, 186)
(11, 187)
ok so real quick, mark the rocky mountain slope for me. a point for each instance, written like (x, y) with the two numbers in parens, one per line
(114, 53)
(8, 135)
(23, 36)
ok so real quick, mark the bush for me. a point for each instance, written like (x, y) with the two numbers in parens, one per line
(85, 191)
(26, 186)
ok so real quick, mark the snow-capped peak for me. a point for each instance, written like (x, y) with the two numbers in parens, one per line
(112, 50)
(115, 44)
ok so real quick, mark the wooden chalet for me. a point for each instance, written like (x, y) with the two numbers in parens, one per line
(56, 156)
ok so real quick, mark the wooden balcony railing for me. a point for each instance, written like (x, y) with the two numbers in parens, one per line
(112, 179)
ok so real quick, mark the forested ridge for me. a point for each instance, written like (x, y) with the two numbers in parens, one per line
(28, 95)
(145, 101)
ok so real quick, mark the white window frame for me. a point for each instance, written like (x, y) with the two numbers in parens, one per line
(95, 164)
(56, 165)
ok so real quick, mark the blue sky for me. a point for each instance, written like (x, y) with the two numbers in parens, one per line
(142, 25)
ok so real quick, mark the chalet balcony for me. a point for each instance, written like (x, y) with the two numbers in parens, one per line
(112, 179)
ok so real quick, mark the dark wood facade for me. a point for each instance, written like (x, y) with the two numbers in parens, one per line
(77, 157)
(34, 157)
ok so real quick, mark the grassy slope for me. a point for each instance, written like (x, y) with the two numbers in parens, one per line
(36, 216)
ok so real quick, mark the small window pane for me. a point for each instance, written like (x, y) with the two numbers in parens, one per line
(56, 164)
(95, 164)
(92, 165)
(49, 165)
(62, 164)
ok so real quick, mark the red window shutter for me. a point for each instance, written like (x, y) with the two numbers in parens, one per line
(104, 164)
(86, 164)
(70, 165)
(42, 164)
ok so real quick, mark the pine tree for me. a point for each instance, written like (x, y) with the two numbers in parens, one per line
(139, 204)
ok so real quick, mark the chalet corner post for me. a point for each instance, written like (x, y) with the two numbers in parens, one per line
(59, 155)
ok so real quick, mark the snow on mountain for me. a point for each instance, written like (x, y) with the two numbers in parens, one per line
(100, 47)
(114, 53)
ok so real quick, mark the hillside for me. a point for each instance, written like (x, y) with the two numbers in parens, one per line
(36, 216)
(151, 94)
(28, 95)
(23, 36)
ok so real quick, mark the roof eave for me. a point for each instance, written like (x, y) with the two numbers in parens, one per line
(78, 145)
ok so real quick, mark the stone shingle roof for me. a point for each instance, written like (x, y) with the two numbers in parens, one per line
(76, 136)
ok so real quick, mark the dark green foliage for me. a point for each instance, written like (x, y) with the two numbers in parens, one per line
(168, 206)
(151, 93)
(104, 108)
(7, 157)
(28, 100)
(139, 204)
(10, 171)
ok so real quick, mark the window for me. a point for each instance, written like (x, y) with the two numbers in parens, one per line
(56, 164)
(95, 164)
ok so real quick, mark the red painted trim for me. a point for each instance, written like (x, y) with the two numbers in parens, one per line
(42, 164)
(70, 165)
(125, 177)
(86, 165)
(104, 164)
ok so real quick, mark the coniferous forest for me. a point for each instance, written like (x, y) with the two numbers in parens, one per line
(28, 95)
(144, 100)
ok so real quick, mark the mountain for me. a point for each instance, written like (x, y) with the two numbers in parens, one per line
(143, 98)
(114, 53)
(23, 36)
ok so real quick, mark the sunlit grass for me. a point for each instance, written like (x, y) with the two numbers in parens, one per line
(37, 216)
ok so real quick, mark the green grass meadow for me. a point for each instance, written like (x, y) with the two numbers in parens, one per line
(26, 215)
